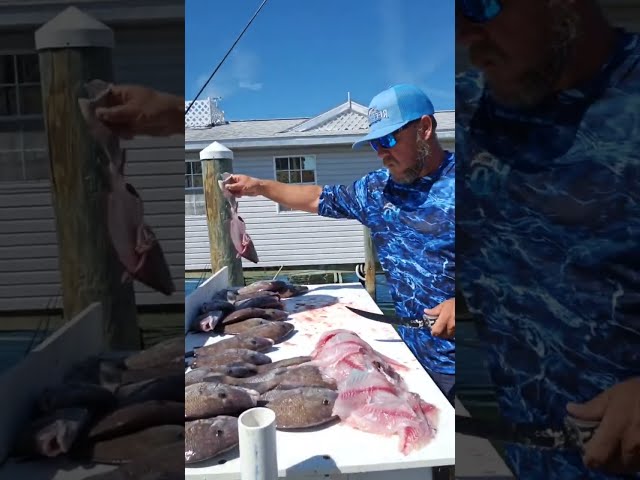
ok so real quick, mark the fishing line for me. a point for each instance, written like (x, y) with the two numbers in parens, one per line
(224, 58)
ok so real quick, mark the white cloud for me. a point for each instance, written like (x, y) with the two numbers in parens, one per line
(251, 86)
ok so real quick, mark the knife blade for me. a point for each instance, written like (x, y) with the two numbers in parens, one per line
(573, 435)
(427, 321)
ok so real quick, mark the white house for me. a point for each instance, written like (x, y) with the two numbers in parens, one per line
(296, 150)
(149, 50)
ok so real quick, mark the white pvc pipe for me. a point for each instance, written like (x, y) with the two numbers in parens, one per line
(257, 436)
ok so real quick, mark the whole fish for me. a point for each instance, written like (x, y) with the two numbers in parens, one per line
(206, 400)
(53, 434)
(263, 285)
(237, 355)
(259, 344)
(243, 326)
(133, 240)
(276, 331)
(301, 407)
(162, 463)
(163, 388)
(135, 417)
(237, 228)
(262, 293)
(217, 305)
(287, 362)
(159, 355)
(264, 301)
(238, 369)
(126, 448)
(88, 395)
(206, 438)
(272, 314)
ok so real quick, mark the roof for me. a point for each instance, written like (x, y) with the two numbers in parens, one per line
(341, 125)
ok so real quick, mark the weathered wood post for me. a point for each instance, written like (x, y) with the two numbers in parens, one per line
(217, 159)
(73, 49)
(369, 264)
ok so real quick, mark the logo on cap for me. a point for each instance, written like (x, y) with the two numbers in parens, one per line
(376, 115)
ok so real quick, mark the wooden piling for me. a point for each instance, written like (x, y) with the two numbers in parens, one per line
(73, 49)
(217, 159)
(369, 264)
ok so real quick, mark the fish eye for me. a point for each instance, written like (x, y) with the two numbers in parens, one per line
(219, 433)
(253, 342)
(325, 401)
(222, 395)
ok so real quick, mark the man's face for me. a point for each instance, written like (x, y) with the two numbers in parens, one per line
(407, 158)
(523, 50)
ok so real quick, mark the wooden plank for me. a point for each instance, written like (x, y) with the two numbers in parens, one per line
(369, 264)
(45, 366)
(221, 250)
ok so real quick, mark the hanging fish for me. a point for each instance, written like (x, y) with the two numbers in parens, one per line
(134, 241)
(237, 228)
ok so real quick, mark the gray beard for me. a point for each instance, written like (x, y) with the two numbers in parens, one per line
(413, 173)
(538, 83)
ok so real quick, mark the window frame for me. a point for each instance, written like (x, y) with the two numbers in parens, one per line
(279, 208)
(194, 191)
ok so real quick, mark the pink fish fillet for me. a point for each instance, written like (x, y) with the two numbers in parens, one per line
(236, 226)
(134, 241)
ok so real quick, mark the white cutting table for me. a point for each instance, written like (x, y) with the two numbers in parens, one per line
(337, 451)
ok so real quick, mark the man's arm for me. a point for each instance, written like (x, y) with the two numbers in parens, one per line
(297, 197)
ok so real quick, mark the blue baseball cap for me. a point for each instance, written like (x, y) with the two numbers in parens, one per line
(393, 108)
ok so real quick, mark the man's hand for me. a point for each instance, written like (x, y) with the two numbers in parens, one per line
(615, 445)
(445, 325)
(137, 110)
(240, 185)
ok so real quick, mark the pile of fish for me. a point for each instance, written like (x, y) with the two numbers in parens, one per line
(372, 396)
(244, 307)
(235, 374)
(120, 408)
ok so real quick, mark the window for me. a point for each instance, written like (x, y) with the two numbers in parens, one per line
(295, 169)
(194, 193)
(23, 145)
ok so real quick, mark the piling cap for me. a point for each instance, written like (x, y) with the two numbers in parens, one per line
(216, 151)
(73, 28)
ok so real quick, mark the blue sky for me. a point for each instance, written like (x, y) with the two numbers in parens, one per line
(299, 58)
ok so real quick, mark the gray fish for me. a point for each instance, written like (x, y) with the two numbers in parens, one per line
(276, 331)
(163, 388)
(262, 293)
(124, 449)
(206, 322)
(89, 395)
(163, 463)
(206, 400)
(53, 434)
(258, 344)
(206, 438)
(243, 326)
(259, 302)
(262, 285)
(159, 355)
(287, 362)
(237, 369)
(238, 355)
(137, 416)
(272, 314)
(217, 305)
(301, 407)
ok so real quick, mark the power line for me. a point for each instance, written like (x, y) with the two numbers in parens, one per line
(224, 58)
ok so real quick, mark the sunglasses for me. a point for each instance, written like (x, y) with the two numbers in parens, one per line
(389, 140)
(479, 11)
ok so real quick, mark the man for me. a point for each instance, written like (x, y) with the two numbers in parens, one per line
(409, 208)
(549, 135)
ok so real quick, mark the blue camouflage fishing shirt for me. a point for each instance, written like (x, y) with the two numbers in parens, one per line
(548, 245)
(413, 230)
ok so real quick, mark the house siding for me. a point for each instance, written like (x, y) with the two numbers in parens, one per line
(291, 238)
